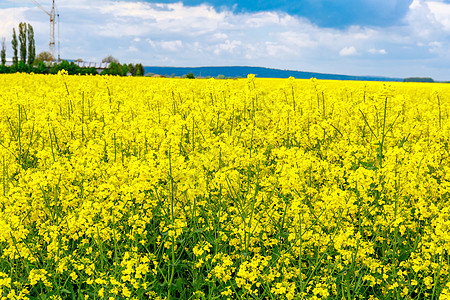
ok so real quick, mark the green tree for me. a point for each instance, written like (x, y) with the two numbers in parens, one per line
(22, 67)
(3, 52)
(14, 46)
(4, 69)
(113, 69)
(139, 70)
(31, 45)
(64, 65)
(70, 67)
(39, 67)
(23, 41)
(125, 69)
(190, 75)
(132, 69)
(86, 71)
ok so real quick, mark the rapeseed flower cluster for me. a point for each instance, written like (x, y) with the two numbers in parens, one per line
(136, 188)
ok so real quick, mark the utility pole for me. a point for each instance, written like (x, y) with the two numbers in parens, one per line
(52, 15)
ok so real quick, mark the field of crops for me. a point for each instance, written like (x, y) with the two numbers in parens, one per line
(148, 188)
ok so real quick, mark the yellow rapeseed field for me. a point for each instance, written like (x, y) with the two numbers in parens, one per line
(150, 188)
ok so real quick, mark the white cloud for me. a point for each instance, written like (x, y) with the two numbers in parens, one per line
(277, 49)
(377, 51)
(220, 36)
(415, 4)
(166, 45)
(435, 47)
(422, 21)
(10, 17)
(228, 46)
(144, 18)
(171, 45)
(262, 19)
(298, 39)
(441, 13)
(435, 44)
(348, 51)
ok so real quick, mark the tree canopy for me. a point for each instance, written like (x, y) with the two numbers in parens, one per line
(45, 56)
(110, 59)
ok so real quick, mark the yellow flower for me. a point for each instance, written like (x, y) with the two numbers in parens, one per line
(74, 276)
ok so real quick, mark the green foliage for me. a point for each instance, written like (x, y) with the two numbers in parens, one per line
(139, 70)
(418, 79)
(64, 65)
(27, 46)
(136, 70)
(114, 69)
(88, 71)
(14, 46)
(31, 45)
(3, 52)
(39, 67)
(132, 69)
(22, 67)
(4, 69)
(23, 41)
(124, 70)
(190, 75)
(71, 68)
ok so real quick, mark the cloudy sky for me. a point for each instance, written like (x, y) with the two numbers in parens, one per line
(399, 38)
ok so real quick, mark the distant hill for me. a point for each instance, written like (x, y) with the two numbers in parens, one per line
(242, 71)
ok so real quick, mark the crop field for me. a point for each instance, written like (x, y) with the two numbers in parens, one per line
(153, 188)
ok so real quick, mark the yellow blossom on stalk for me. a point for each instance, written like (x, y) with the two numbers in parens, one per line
(321, 290)
(254, 187)
(101, 292)
(74, 275)
(428, 282)
(284, 289)
(126, 292)
(198, 295)
(5, 280)
(201, 248)
(37, 275)
(227, 292)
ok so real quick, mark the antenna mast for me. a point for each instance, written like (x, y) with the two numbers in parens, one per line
(52, 15)
(52, 29)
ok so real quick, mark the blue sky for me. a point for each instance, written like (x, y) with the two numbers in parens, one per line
(399, 38)
(327, 13)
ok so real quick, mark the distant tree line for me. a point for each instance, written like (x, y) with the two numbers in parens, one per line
(418, 79)
(24, 59)
(115, 68)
